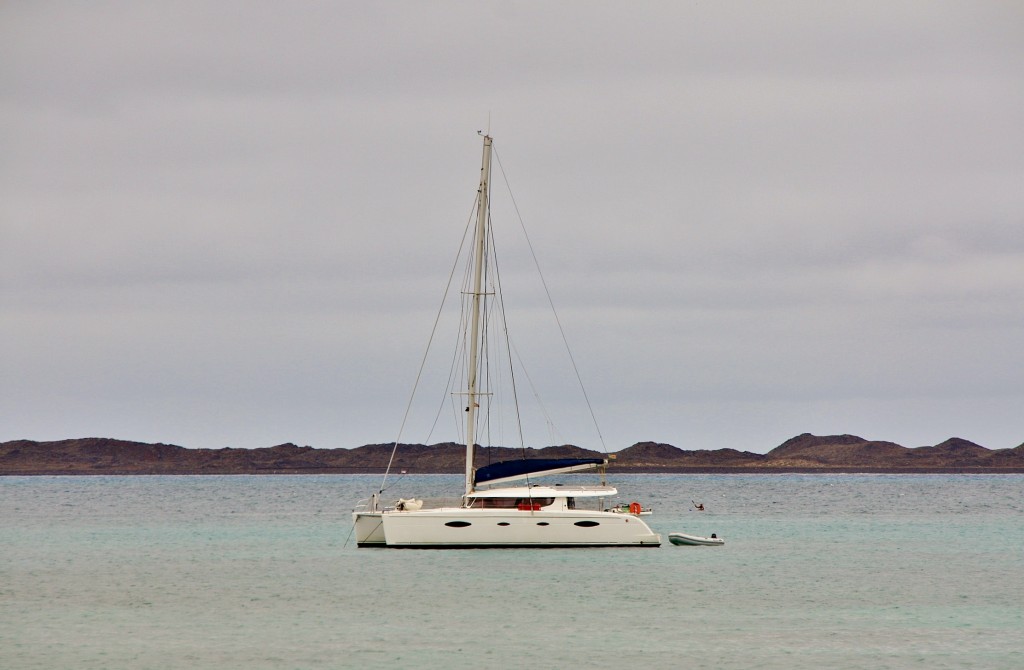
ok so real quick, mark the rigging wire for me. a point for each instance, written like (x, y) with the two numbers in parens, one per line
(551, 302)
(430, 341)
(457, 354)
(553, 433)
(460, 350)
(455, 369)
(500, 299)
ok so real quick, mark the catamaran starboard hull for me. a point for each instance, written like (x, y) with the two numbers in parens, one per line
(460, 528)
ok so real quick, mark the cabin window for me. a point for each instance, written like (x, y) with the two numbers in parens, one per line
(543, 523)
(570, 503)
(458, 524)
(586, 524)
(503, 523)
(509, 503)
(494, 503)
(542, 502)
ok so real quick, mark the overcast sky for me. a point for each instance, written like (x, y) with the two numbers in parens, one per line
(230, 223)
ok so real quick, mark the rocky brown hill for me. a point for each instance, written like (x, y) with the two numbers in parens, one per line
(804, 453)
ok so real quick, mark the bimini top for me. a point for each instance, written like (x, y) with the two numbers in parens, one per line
(509, 471)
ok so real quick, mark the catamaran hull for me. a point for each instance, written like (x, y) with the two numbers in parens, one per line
(460, 528)
(369, 529)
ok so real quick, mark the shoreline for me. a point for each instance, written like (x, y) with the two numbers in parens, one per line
(803, 454)
(739, 470)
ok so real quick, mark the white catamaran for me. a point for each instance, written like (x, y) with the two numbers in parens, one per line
(499, 515)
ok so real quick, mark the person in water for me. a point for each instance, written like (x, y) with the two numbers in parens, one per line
(699, 506)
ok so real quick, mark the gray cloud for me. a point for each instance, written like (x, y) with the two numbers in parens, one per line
(230, 224)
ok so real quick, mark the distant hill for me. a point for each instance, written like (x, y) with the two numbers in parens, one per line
(804, 453)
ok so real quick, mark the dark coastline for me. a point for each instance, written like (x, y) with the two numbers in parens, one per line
(646, 471)
(804, 454)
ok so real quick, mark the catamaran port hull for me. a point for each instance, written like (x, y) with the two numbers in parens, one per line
(369, 529)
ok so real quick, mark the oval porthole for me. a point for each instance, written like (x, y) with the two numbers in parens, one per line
(503, 523)
(458, 524)
(586, 524)
(543, 523)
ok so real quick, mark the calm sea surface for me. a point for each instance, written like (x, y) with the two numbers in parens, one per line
(844, 571)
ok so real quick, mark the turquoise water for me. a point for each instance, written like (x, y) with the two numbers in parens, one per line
(846, 571)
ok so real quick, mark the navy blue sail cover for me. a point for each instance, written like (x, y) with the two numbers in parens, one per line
(522, 468)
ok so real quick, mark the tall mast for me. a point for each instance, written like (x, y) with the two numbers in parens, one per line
(479, 258)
